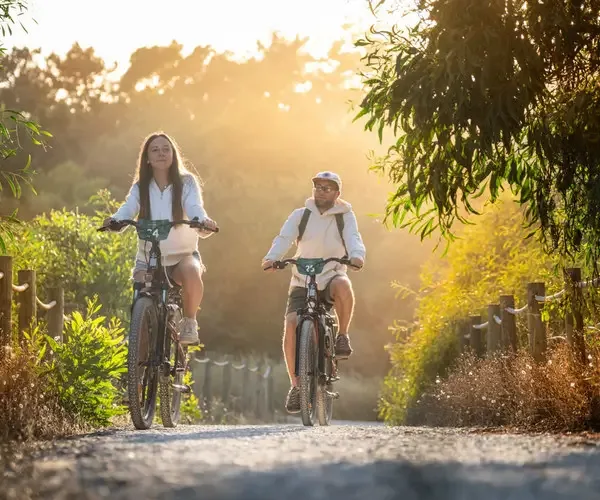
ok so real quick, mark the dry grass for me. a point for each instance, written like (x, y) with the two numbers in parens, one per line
(27, 409)
(515, 391)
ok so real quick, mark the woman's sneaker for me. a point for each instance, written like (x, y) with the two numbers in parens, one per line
(188, 331)
(292, 402)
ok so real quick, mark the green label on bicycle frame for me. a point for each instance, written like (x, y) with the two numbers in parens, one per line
(153, 230)
(308, 267)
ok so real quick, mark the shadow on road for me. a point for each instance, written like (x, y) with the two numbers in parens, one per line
(84, 473)
(570, 477)
(205, 432)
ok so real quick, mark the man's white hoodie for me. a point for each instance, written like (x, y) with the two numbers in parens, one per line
(321, 239)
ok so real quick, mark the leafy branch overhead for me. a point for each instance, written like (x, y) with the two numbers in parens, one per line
(15, 127)
(483, 94)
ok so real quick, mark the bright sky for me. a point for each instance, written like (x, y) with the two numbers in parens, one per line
(115, 28)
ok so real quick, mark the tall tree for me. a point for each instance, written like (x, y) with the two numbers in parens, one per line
(483, 94)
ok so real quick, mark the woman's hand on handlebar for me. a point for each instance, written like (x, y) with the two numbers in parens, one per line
(267, 266)
(111, 224)
(356, 263)
(208, 226)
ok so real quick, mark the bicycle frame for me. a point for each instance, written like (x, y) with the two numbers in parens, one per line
(156, 284)
(314, 311)
(156, 287)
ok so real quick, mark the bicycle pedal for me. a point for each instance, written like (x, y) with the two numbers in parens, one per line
(181, 388)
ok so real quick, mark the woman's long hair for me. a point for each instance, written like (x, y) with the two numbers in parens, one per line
(176, 172)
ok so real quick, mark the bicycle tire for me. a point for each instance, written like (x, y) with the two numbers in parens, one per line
(324, 404)
(170, 399)
(306, 368)
(142, 406)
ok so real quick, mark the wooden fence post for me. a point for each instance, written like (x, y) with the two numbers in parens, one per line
(27, 303)
(464, 333)
(494, 331)
(476, 339)
(509, 323)
(56, 314)
(574, 316)
(226, 387)
(537, 328)
(259, 379)
(270, 394)
(245, 387)
(6, 297)
(207, 386)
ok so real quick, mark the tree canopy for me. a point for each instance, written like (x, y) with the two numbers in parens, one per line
(486, 94)
(255, 131)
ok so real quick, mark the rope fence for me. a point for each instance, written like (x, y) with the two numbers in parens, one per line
(250, 394)
(500, 327)
(24, 293)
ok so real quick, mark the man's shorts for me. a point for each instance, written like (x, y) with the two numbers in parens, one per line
(297, 298)
(140, 265)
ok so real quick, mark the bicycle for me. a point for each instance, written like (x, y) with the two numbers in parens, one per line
(316, 331)
(155, 357)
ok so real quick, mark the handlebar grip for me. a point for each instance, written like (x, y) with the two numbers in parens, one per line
(204, 228)
(115, 225)
(195, 224)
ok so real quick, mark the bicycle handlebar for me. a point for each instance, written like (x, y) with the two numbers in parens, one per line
(282, 264)
(117, 225)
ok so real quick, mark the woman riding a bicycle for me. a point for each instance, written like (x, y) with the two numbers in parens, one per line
(164, 190)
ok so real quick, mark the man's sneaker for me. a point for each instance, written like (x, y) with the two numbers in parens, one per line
(292, 402)
(342, 347)
(188, 331)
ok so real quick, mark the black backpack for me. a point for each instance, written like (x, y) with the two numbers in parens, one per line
(339, 219)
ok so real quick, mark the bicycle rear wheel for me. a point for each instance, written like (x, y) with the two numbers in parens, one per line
(307, 372)
(142, 377)
(171, 384)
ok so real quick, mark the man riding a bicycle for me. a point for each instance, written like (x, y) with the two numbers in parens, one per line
(325, 227)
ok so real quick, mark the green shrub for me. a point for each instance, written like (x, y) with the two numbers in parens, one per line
(65, 249)
(490, 258)
(85, 368)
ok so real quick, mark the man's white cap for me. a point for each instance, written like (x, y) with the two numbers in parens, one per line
(329, 176)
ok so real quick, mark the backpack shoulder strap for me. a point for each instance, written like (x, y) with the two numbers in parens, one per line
(339, 219)
(303, 222)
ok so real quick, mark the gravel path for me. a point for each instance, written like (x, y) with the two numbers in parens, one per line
(352, 461)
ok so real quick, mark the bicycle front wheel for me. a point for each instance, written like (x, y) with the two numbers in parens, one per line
(142, 376)
(307, 372)
(171, 384)
(324, 403)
